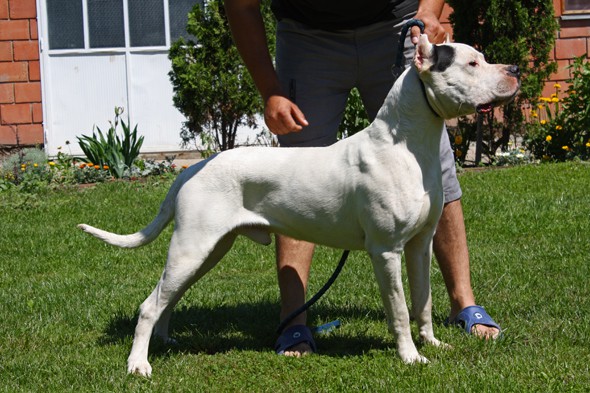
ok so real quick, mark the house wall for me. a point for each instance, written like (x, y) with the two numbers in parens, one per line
(573, 40)
(21, 118)
(21, 115)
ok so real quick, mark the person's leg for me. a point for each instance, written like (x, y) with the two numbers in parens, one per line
(293, 264)
(312, 67)
(450, 244)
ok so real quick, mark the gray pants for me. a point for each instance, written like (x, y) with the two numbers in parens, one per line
(318, 68)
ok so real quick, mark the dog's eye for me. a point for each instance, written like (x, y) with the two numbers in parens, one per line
(473, 63)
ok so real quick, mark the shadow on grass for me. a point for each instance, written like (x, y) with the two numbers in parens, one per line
(252, 327)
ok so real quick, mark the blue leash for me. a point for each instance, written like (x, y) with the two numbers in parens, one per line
(399, 66)
(316, 297)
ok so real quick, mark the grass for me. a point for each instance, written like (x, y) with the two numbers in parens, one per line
(68, 304)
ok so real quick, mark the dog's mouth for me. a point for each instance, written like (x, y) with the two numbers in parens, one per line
(484, 108)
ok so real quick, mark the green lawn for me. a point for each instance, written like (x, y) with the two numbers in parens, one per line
(68, 302)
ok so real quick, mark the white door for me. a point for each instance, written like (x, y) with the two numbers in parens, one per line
(99, 54)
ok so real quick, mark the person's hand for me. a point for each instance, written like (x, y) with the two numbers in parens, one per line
(435, 31)
(282, 116)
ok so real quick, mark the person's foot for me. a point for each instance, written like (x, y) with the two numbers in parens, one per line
(295, 341)
(485, 332)
(477, 322)
(298, 350)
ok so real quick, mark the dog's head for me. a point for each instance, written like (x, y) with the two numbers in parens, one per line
(458, 81)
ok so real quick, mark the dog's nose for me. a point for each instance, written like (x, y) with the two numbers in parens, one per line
(514, 71)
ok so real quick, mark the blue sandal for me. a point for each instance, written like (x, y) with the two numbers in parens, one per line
(473, 315)
(292, 336)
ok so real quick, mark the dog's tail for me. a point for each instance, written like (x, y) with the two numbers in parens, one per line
(147, 234)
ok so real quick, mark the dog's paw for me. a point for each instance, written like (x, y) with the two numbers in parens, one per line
(413, 358)
(439, 344)
(417, 359)
(435, 342)
(142, 368)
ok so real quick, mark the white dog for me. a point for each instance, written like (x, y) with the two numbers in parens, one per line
(379, 190)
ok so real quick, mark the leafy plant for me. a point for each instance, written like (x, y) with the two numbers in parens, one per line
(117, 153)
(560, 128)
(90, 173)
(461, 137)
(355, 117)
(520, 32)
(512, 156)
(212, 88)
(24, 166)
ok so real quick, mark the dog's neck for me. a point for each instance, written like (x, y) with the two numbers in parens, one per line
(406, 108)
(407, 119)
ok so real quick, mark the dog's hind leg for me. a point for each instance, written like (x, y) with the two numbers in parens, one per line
(387, 267)
(187, 262)
(222, 247)
(418, 252)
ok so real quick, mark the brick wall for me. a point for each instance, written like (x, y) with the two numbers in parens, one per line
(21, 116)
(573, 40)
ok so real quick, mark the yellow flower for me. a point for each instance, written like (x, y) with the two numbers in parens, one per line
(543, 121)
(557, 86)
(566, 148)
(540, 106)
(553, 95)
(555, 99)
(534, 113)
(51, 163)
(546, 157)
(458, 140)
(548, 138)
(588, 144)
(35, 165)
(558, 128)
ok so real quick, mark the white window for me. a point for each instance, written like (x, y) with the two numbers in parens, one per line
(98, 54)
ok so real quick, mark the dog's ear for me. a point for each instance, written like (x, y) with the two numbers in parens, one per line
(423, 56)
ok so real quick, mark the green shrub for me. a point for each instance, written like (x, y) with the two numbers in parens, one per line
(212, 87)
(355, 117)
(520, 32)
(110, 151)
(27, 168)
(560, 128)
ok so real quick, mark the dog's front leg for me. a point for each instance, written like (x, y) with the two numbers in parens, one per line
(418, 253)
(387, 267)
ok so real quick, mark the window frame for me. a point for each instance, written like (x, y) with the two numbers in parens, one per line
(127, 48)
(566, 12)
